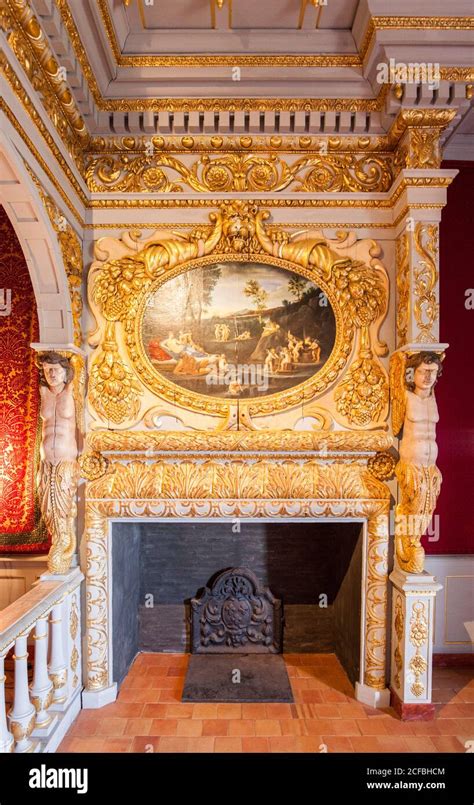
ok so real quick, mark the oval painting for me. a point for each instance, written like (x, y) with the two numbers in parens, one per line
(238, 330)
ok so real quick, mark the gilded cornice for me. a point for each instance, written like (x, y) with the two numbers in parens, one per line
(17, 87)
(31, 47)
(229, 143)
(41, 162)
(384, 23)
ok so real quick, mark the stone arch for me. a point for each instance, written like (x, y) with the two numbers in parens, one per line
(24, 208)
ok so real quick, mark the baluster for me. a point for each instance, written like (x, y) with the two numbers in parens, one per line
(42, 687)
(6, 738)
(23, 714)
(57, 664)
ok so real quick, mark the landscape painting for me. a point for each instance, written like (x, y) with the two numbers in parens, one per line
(238, 330)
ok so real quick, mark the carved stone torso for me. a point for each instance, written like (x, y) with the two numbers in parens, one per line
(59, 426)
(418, 445)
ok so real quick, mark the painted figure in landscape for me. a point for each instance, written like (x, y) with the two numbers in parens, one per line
(219, 329)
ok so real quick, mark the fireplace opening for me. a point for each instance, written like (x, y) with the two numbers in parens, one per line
(314, 567)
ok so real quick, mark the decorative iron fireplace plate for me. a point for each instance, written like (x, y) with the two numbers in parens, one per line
(236, 643)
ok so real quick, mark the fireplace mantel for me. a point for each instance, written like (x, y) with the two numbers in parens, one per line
(148, 476)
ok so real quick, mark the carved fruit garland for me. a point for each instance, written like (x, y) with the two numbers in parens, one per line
(362, 396)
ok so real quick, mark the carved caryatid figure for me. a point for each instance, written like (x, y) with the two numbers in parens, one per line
(414, 409)
(58, 474)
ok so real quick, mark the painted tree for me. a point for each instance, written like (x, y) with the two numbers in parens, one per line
(257, 294)
(296, 287)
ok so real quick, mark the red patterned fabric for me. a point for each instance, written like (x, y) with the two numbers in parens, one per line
(21, 529)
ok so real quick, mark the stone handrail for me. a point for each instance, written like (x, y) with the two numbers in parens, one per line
(43, 709)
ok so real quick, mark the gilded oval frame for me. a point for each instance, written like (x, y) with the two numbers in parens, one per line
(309, 389)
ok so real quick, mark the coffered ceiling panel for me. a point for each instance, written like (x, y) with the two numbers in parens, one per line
(246, 14)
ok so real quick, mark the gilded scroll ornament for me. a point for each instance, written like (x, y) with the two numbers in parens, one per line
(414, 408)
(425, 279)
(238, 172)
(403, 288)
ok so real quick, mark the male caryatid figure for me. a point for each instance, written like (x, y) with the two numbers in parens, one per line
(417, 473)
(58, 474)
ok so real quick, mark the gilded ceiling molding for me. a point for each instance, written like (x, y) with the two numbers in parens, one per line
(229, 143)
(299, 225)
(25, 100)
(235, 173)
(175, 201)
(384, 23)
(285, 441)
(71, 249)
(248, 104)
(41, 162)
(31, 47)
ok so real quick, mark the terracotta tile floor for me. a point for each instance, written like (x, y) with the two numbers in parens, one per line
(149, 716)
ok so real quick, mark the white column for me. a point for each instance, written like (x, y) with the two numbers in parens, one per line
(6, 738)
(23, 714)
(57, 663)
(42, 687)
(412, 642)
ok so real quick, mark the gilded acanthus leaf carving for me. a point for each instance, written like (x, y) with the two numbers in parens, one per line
(326, 441)
(425, 279)
(220, 479)
(403, 288)
(238, 172)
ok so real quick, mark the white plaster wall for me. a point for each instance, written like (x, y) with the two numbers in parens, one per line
(454, 604)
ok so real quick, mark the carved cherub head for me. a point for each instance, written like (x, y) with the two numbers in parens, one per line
(423, 371)
(55, 369)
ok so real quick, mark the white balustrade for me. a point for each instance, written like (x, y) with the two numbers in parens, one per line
(41, 713)
(6, 738)
(41, 690)
(22, 716)
(57, 664)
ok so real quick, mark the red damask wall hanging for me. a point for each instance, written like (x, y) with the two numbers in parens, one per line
(21, 529)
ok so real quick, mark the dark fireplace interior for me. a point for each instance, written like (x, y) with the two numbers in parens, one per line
(315, 568)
